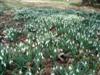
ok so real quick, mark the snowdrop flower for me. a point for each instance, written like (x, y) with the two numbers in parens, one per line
(11, 61)
(98, 55)
(70, 67)
(52, 73)
(90, 42)
(73, 73)
(73, 42)
(55, 50)
(99, 59)
(54, 68)
(61, 68)
(51, 56)
(78, 34)
(77, 70)
(29, 41)
(20, 72)
(3, 63)
(33, 45)
(7, 46)
(21, 44)
(1, 58)
(37, 72)
(40, 53)
(97, 49)
(85, 63)
(2, 52)
(27, 53)
(66, 73)
(39, 68)
(26, 40)
(23, 49)
(14, 50)
(28, 73)
(47, 42)
(67, 41)
(38, 60)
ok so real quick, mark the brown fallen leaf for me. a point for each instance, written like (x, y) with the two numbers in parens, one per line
(47, 67)
(29, 64)
(8, 72)
(64, 58)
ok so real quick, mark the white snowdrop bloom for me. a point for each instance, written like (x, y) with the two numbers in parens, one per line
(98, 55)
(73, 73)
(51, 56)
(20, 72)
(73, 42)
(7, 46)
(78, 34)
(26, 47)
(66, 73)
(2, 52)
(70, 43)
(26, 40)
(61, 68)
(21, 44)
(95, 44)
(40, 53)
(85, 63)
(99, 59)
(81, 51)
(23, 49)
(70, 67)
(11, 61)
(6, 51)
(60, 50)
(93, 71)
(90, 42)
(14, 50)
(97, 49)
(77, 70)
(1, 58)
(28, 73)
(33, 45)
(39, 68)
(52, 73)
(38, 60)
(3, 63)
(27, 53)
(82, 36)
(55, 50)
(54, 68)
(42, 57)
(29, 41)
(67, 41)
(38, 42)
(37, 71)
(81, 43)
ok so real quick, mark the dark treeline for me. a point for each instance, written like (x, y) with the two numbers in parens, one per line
(90, 2)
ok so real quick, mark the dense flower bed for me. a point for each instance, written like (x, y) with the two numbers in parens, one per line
(52, 42)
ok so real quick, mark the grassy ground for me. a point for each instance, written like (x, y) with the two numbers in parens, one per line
(38, 3)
